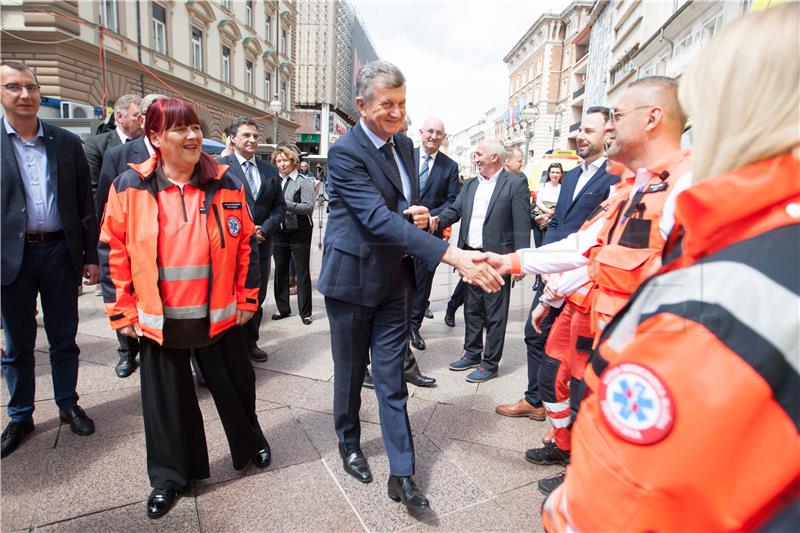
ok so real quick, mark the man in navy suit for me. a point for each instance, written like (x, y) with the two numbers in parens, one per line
(438, 188)
(367, 274)
(267, 206)
(49, 240)
(582, 190)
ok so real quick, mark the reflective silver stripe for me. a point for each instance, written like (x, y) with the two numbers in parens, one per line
(562, 507)
(183, 273)
(557, 406)
(560, 422)
(150, 321)
(218, 315)
(765, 306)
(192, 311)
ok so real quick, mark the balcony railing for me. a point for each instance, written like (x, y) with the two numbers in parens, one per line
(574, 127)
(579, 92)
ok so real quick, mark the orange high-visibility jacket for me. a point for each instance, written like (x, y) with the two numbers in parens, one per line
(129, 261)
(694, 419)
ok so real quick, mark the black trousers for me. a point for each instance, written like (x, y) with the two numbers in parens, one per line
(457, 299)
(173, 425)
(294, 244)
(489, 311)
(422, 293)
(264, 267)
(128, 346)
(534, 344)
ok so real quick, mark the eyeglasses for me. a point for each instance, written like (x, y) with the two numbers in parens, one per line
(16, 88)
(617, 115)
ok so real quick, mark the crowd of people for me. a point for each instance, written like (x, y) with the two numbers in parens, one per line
(663, 336)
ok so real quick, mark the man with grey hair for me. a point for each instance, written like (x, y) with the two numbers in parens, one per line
(494, 213)
(129, 121)
(375, 229)
(514, 161)
(115, 162)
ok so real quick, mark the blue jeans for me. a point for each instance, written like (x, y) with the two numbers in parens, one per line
(47, 270)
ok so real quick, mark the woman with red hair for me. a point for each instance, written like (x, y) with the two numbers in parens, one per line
(180, 272)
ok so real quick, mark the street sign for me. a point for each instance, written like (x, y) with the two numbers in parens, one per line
(308, 138)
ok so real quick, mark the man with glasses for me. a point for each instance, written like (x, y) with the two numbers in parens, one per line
(49, 240)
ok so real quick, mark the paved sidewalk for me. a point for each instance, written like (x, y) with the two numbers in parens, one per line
(470, 461)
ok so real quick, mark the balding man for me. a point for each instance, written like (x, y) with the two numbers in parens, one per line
(438, 188)
(494, 213)
(514, 161)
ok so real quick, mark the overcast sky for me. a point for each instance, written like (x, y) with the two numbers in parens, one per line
(451, 51)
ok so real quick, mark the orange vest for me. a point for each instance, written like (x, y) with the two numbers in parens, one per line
(630, 244)
(693, 424)
(132, 247)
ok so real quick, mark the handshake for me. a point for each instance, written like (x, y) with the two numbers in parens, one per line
(484, 269)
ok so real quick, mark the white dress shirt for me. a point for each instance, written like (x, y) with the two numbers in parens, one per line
(588, 173)
(480, 205)
(122, 137)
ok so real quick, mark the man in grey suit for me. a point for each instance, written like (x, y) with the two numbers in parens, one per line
(493, 209)
(129, 122)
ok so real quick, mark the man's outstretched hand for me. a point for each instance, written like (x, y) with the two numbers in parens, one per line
(473, 268)
(501, 263)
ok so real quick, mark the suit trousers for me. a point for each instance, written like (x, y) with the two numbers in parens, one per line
(489, 311)
(128, 346)
(382, 331)
(47, 270)
(264, 267)
(457, 299)
(173, 425)
(422, 293)
(294, 244)
(534, 344)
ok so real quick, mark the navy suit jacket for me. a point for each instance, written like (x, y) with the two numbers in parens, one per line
(571, 214)
(269, 207)
(367, 235)
(69, 178)
(115, 162)
(441, 187)
(506, 226)
(95, 148)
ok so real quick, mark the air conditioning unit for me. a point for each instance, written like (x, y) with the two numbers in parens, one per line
(75, 110)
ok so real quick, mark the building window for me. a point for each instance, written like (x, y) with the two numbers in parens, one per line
(268, 29)
(225, 3)
(712, 27)
(248, 76)
(248, 13)
(159, 29)
(284, 96)
(108, 11)
(284, 41)
(197, 48)
(226, 64)
(267, 86)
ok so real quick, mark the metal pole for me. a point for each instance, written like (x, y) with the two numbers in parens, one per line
(527, 142)
(277, 69)
(275, 124)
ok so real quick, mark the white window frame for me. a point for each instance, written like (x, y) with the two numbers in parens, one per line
(226, 65)
(248, 13)
(248, 76)
(225, 3)
(268, 28)
(109, 11)
(267, 86)
(284, 95)
(284, 42)
(159, 31)
(197, 48)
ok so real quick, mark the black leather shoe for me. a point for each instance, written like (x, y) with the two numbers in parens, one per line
(368, 383)
(403, 489)
(306, 320)
(160, 502)
(257, 354)
(356, 465)
(421, 381)
(126, 366)
(450, 318)
(428, 313)
(281, 316)
(549, 484)
(14, 434)
(79, 423)
(263, 457)
(416, 340)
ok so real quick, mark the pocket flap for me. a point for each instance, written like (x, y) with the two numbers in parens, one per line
(359, 249)
(624, 258)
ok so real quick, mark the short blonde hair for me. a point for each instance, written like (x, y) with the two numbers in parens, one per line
(288, 153)
(742, 92)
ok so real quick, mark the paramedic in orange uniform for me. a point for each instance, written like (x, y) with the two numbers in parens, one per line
(180, 271)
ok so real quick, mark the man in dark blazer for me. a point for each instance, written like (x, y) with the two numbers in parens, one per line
(49, 240)
(267, 205)
(438, 188)
(115, 162)
(493, 210)
(582, 190)
(367, 274)
(129, 123)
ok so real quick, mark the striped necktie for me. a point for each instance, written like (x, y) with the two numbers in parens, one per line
(424, 171)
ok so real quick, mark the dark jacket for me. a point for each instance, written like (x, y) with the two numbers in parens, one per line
(268, 209)
(69, 174)
(115, 162)
(441, 187)
(95, 148)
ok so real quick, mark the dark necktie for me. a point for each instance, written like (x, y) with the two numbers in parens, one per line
(424, 172)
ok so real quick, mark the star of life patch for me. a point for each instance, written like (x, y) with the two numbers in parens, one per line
(234, 225)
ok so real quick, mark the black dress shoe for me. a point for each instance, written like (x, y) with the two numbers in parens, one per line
(281, 316)
(79, 423)
(14, 434)
(356, 465)
(416, 340)
(257, 354)
(263, 457)
(428, 313)
(125, 366)
(306, 320)
(403, 489)
(368, 383)
(160, 502)
(450, 318)
(421, 381)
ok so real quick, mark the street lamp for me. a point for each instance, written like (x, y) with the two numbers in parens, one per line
(530, 114)
(275, 106)
(557, 126)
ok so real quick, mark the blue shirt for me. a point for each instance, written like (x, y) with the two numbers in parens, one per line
(40, 198)
(404, 179)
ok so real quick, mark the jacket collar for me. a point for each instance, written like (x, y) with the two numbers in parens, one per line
(146, 168)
